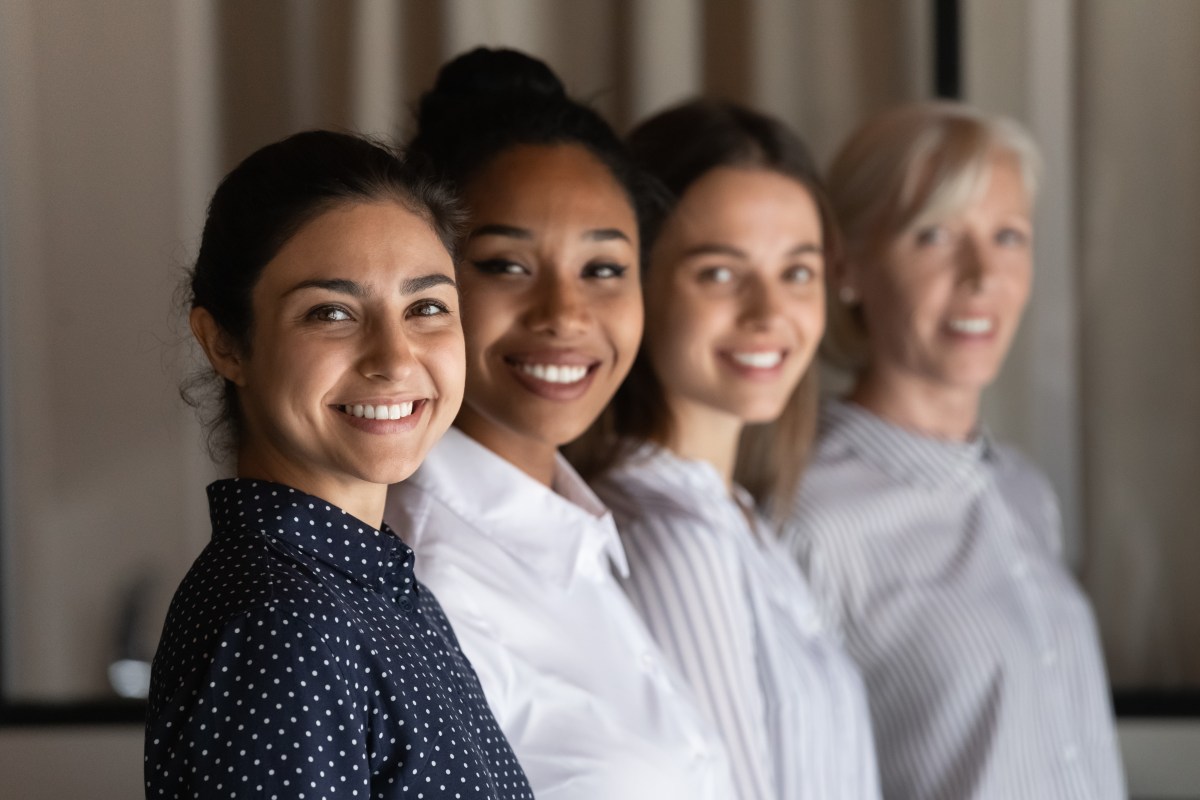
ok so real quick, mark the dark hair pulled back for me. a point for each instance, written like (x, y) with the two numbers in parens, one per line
(486, 101)
(261, 204)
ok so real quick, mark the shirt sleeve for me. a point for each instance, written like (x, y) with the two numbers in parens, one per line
(691, 596)
(270, 715)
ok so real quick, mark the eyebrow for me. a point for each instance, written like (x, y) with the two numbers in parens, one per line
(513, 232)
(356, 289)
(713, 249)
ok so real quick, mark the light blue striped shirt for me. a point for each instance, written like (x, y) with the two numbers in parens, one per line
(731, 610)
(939, 562)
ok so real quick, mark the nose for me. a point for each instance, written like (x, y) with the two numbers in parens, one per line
(558, 307)
(760, 304)
(975, 263)
(387, 352)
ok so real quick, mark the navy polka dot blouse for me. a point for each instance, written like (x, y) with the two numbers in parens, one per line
(301, 659)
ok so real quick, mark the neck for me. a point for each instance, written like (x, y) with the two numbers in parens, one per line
(704, 434)
(359, 498)
(917, 405)
(535, 458)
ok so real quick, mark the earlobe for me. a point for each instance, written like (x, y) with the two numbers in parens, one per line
(847, 280)
(218, 345)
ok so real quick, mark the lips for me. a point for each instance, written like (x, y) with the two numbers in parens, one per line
(762, 359)
(971, 326)
(382, 411)
(556, 375)
(382, 418)
(754, 364)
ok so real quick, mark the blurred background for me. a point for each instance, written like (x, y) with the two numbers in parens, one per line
(118, 118)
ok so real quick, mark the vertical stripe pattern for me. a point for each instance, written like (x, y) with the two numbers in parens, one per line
(939, 564)
(731, 610)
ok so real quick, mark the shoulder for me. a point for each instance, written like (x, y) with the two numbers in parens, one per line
(243, 582)
(1026, 490)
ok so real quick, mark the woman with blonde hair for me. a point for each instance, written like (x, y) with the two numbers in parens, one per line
(934, 550)
(715, 415)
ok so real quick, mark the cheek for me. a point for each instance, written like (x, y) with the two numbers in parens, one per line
(486, 317)
(625, 322)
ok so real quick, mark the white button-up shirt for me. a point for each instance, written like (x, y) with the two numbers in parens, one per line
(731, 610)
(940, 563)
(574, 679)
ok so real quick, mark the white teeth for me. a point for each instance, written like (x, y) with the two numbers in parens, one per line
(554, 373)
(759, 360)
(393, 411)
(971, 325)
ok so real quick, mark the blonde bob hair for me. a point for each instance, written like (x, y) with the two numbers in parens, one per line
(903, 169)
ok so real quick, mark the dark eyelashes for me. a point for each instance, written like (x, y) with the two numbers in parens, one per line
(497, 266)
(322, 313)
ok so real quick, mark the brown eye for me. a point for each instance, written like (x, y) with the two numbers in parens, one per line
(499, 266)
(428, 308)
(329, 314)
(604, 270)
(715, 275)
(801, 274)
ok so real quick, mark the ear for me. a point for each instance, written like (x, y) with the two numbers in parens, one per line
(218, 345)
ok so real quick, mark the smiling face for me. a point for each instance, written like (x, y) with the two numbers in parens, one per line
(355, 364)
(943, 300)
(735, 298)
(551, 299)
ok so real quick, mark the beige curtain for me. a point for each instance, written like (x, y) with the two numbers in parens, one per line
(116, 120)
(1138, 167)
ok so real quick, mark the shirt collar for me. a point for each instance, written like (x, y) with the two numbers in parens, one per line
(906, 455)
(654, 465)
(555, 532)
(373, 557)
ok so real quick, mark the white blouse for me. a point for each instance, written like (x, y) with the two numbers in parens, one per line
(731, 610)
(940, 563)
(575, 681)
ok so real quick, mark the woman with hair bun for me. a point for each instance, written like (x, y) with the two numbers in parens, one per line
(300, 657)
(715, 416)
(516, 546)
(935, 550)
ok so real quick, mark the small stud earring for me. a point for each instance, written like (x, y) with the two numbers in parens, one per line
(847, 295)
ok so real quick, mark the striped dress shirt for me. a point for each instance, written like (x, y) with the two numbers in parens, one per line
(731, 610)
(940, 564)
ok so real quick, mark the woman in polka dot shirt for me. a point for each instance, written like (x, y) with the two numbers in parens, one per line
(300, 657)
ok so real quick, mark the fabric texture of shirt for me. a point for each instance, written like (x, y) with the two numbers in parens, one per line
(732, 611)
(301, 659)
(576, 683)
(940, 563)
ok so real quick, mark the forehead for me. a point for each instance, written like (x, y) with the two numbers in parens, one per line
(746, 201)
(996, 177)
(549, 182)
(371, 241)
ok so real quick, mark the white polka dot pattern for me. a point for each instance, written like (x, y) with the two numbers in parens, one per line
(301, 659)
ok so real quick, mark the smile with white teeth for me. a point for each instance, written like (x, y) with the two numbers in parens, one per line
(971, 325)
(759, 360)
(393, 411)
(555, 373)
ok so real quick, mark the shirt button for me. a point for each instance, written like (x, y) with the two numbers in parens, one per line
(648, 662)
(1049, 657)
(1070, 753)
(406, 603)
(1020, 569)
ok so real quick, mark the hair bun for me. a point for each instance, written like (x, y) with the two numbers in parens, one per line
(501, 72)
